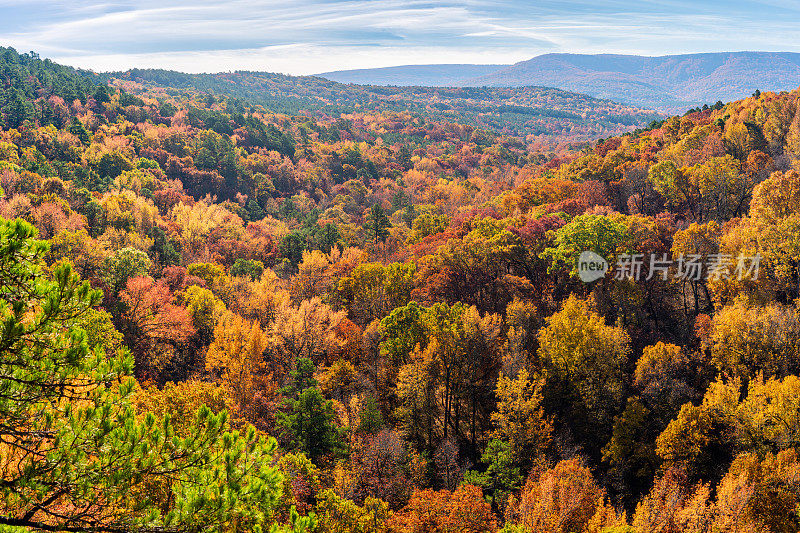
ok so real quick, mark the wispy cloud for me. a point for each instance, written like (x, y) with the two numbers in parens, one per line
(309, 36)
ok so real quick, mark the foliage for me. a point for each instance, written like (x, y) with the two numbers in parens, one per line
(564, 498)
(378, 277)
(125, 264)
(74, 453)
(237, 356)
(445, 512)
(343, 516)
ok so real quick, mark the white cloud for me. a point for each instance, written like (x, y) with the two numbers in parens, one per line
(298, 59)
(309, 36)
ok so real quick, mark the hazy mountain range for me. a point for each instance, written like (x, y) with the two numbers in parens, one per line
(415, 75)
(668, 83)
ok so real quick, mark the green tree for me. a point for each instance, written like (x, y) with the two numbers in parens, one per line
(247, 267)
(338, 515)
(292, 246)
(370, 418)
(597, 233)
(403, 331)
(520, 439)
(164, 249)
(17, 110)
(79, 130)
(111, 165)
(204, 308)
(308, 422)
(125, 264)
(377, 224)
(328, 237)
(101, 94)
(373, 289)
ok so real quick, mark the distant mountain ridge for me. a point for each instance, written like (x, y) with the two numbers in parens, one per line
(669, 83)
(444, 75)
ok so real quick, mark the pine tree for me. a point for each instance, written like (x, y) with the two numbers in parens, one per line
(308, 422)
(79, 130)
(74, 455)
(17, 110)
(377, 225)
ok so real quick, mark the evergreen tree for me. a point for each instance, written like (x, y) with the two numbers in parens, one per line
(328, 237)
(404, 157)
(17, 110)
(377, 225)
(101, 94)
(79, 130)
(247, 267)
(164, 249)
(308, 422)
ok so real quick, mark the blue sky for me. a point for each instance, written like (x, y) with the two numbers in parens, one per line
(309, 36)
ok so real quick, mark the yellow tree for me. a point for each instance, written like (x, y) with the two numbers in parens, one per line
(706, 437)
(313, 277)
(700, 437)
(78, 247)
(254, 300)
(372, 290)
(760, 494)
(341, 381)
(338, 515)
(585, 356)
(456, 357)
(750, 339)
(180, 401)
(196, 223)
(204, 308)
(772, 230)
(674, 506)
(519, 418)
(715, 189)
(308, 330)
(692, 248)
(237, 356)
(520, 439)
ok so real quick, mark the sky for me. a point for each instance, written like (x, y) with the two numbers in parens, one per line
(312, 36)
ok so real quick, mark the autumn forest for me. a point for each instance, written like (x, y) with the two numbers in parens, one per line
(356, 309)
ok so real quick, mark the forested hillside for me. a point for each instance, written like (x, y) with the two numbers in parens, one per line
(550, 116)
(217, 318)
